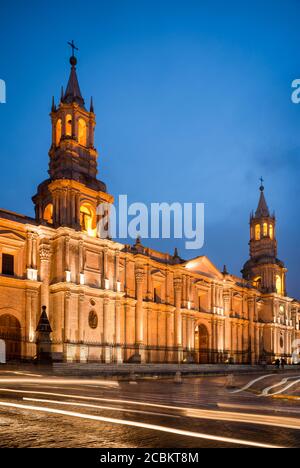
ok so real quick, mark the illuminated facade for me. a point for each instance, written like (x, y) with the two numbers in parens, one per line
(108, 302)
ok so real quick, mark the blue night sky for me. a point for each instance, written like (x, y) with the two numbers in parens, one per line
(193, 104)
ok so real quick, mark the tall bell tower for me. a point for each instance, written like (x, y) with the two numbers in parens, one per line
(72, 193)
(264, 270)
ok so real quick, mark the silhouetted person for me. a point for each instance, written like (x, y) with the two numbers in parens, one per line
(277, 363)
(283, 363)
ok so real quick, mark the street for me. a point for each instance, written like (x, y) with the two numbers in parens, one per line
(39, 410)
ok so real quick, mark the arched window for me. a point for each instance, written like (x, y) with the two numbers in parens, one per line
(69, 125)
(271, 231)
(48, 213)
(82, 132)
(257, 232)
(278, 284)
(58, 132)
(265, 229)
(88, 219)
(257, 282)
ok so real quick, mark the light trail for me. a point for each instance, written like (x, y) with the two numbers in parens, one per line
(264, 420)
(110, 408)
(169, 430)
(275, 409)
(266, 391)
(247, 418)
(105, 383)
(252, 382)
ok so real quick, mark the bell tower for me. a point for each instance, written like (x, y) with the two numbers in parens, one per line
(72, 193)
(264, 270)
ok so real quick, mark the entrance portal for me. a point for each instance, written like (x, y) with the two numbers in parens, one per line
(10, 332)
(202, 344)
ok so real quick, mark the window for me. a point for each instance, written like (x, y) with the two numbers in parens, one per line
(58, 132)
(8, 265)
(81, 132)
(271, 231)
(257, 282)
(278, 285)
(157, 295)
(48, 213)
(257, 232)
(265, 229)
(69, 125)
(88, 220)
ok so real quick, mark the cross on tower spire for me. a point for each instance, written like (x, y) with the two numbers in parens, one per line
(73, 46)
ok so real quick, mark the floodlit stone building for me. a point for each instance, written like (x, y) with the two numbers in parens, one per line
(110, 302)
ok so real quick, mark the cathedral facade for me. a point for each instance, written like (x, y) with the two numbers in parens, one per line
(110, 302)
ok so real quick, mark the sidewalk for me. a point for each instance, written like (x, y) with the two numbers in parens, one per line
(140, 370)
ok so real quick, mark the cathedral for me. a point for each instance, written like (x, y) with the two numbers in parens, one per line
(113, 303)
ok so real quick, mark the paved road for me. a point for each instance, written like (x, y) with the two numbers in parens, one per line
(45, 411)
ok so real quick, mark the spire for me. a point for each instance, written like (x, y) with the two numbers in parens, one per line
(92, 106)
(262, 208)
(73, 93)
(44, 324)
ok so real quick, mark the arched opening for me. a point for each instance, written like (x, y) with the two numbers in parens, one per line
(68, 125)
(2, 352)
(257, 282)
(10, 332)
(88, 219)
(257, 232)
(48, 213)
(271, 231)
(58, 132)
(278, 284)
(82, 132)
(265, 229)
(202, 344)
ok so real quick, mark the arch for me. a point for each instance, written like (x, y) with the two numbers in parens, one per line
(10, 332)
(58, 131)
(271, 231)
(202, 344)
(257, 282)
(278, 284)
(68, 124)
(265, 229)
(2, 352)
(48, 213)
(82, 132)
(88, 219)
(257, 232)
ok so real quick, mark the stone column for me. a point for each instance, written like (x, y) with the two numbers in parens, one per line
(178, 319)
(29, 327)
(257, 343)
(44, 274)
(106, 330)
(227, 324)
(139, 313)
(240, 341)
(251, 329)
(80, 318)
(69, 348)
(29, 249)
(117, 273)
(170, 335)
(119, 359)
(83, 349)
